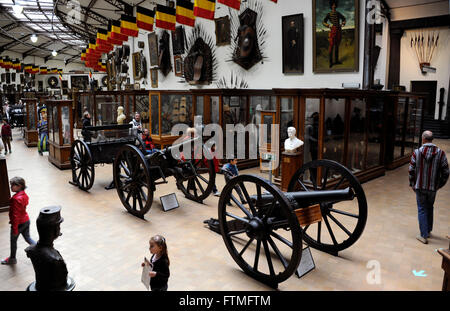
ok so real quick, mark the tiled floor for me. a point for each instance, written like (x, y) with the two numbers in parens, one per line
(103, 245)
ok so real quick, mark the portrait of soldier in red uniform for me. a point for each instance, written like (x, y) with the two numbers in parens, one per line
(335, 21)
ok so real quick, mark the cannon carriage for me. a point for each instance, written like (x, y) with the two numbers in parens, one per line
(136, 174)
(325, 206)
(99, 145)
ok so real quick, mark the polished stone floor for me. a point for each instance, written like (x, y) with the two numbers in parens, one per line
(103, 245)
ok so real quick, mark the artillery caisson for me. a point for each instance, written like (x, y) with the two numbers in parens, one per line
(325, 206)
(99, 146)
(136, 175)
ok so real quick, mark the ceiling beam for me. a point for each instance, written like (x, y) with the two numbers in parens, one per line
(13, 43)
(41, 46)
(121, 5)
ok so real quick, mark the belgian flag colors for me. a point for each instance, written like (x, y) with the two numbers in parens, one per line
(185, 13)
(235, 4)
(116, 34)
(145, 18)
(128, 25)
(205, 8)
(43, 70)
(165, 17)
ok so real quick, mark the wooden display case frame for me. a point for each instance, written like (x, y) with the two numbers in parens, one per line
(30, 132)
(59, 153)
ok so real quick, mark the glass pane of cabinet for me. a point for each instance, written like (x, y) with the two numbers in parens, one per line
(142, 106)
(31, 109)
(311, 146)
(215, 110)
(287, 117)
(106, 109)
(55, 125)
(334, 127)
(374, 132)
(356, 156)
(399, 127)
(155, 114)
(65, 119)
(175, 109)
(50, 123)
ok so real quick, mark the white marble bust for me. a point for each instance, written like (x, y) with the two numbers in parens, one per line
(120, 116)
(292, 143)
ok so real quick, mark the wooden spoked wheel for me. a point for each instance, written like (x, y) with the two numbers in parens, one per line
(199, 177)
(263, 237)
(342, 221)
(83, 172)
(132, 181)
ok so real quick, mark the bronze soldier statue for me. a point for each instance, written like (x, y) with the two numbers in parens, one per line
(48, 264)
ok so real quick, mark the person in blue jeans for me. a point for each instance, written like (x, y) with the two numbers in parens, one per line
(230, 170)
(428, 172)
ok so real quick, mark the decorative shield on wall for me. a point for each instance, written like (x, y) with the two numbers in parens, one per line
(164, 63)
(200, 63)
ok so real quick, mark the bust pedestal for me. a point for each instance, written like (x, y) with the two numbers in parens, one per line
(290, 163)
(5, 194)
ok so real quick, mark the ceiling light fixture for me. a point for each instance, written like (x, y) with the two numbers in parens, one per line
(17, 8)
(34, 38)
(54, 53)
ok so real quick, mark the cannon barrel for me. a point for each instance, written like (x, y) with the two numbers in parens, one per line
(304, 198)
(169, 149)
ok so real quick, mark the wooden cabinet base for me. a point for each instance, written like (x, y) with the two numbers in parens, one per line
(59, 156)
(5, 194)
(290, 163)
(31, 138)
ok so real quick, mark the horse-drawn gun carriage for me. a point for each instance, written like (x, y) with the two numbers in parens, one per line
(325, 206)
(136, 174)
(99, 145)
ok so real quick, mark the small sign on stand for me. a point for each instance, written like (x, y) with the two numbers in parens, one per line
(306, 263)
(169, 202)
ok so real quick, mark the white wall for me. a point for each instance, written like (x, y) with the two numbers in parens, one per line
(410, 70)
(269, 74)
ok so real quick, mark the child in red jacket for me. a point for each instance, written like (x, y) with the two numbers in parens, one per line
(18, 218)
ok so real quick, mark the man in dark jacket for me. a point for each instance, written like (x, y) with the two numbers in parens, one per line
(6, 136)
(428, 172)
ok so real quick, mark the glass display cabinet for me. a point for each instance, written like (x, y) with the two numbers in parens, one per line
(31, 120)
(168, 108)
(102, 106)
(404, 122)
(367, 131)
(60, 132)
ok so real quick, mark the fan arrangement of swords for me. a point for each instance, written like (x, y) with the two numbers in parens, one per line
(424, 46)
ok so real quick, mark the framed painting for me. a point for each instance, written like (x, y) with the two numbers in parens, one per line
(178, 64)
(153, 49)
(154, 77)
(136, 66)
(79, 82)
(178, 40)
(293, 44)
(223, 33)
(335, 36)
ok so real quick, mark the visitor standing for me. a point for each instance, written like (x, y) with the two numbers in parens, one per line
(6, 136)
(428, 172)
(159, 276)
(18, 218)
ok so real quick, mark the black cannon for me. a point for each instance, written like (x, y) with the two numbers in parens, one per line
(99, 145)
(136, 175)
(325, 206)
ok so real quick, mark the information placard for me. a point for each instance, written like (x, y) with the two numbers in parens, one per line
(169, 202)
